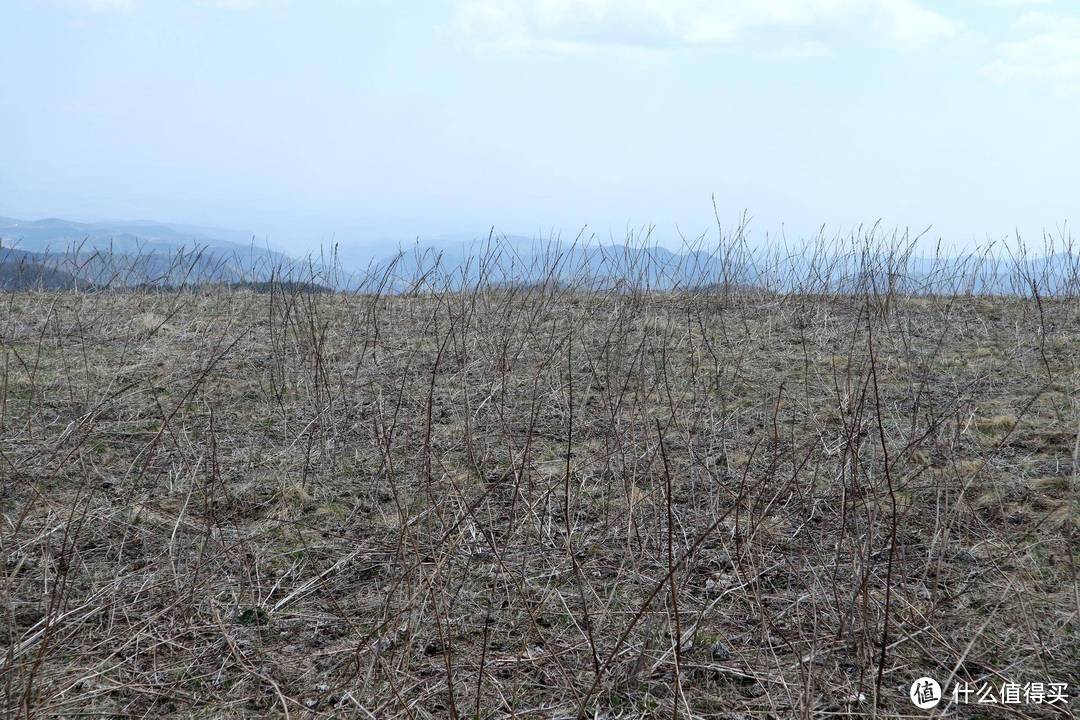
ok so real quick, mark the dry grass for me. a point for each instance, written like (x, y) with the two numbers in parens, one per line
(533, 503)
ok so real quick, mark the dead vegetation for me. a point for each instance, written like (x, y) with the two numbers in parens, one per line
(534, 502)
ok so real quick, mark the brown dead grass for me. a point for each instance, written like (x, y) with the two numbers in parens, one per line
(236, 505)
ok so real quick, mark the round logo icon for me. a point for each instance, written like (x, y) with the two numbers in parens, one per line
(925, 693)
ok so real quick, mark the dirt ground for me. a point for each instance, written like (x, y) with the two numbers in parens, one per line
(535, 503)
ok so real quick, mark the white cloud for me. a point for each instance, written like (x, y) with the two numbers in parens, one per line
(1048, 52)
(910, 24)
(579, 26)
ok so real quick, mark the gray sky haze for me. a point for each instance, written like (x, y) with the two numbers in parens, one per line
(373, 121)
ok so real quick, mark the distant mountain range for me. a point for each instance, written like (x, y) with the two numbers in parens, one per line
(53, 235)
(57, 254)
(840, 266)
(20, 269)
(513, 259)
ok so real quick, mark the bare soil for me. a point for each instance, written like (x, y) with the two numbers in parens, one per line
(534, 503)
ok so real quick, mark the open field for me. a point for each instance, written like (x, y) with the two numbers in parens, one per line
(534, 502)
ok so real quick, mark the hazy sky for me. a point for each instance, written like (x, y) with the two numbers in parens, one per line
(378, 119)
